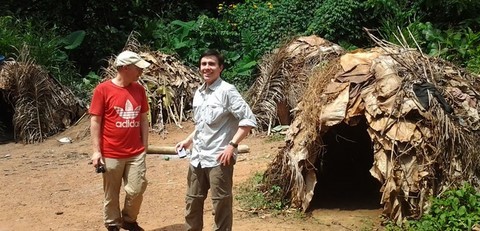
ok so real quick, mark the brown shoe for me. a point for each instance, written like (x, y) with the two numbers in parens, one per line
(132, 226)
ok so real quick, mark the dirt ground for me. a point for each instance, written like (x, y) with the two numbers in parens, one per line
(51, 186)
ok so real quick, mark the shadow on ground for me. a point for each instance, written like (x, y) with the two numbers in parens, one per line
(175, 227)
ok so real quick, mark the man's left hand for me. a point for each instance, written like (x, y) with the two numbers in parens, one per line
(226, 156)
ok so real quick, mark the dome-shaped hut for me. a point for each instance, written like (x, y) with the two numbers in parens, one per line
(388, 121)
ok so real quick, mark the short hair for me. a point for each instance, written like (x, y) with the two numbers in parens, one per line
(212, 52)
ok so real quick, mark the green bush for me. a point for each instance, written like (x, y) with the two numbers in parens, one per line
(243, 32)
(450, 12)
(251, 196)
(262, 27)
(456, 209)
(269, 23)
(339, 21)
(400, 13)
(459, 45)
(390, 16)
(189, 39)
(46, 47)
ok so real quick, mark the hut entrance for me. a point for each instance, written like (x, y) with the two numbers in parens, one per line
(6, 119)
(343, 177)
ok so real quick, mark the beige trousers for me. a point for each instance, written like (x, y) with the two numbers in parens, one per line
(220, 180)
(132, 172)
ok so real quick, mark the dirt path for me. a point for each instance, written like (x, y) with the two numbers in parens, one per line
(50, 186)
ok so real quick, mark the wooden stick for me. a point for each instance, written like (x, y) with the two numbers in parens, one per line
(152, 149)
(174, 118)
(181, 108)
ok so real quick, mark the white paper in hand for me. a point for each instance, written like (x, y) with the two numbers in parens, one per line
(182, 153)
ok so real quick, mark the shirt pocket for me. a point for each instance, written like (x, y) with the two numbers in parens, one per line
(214, 113)
(196, 114)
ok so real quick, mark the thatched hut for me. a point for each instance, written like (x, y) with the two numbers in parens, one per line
(391, 114)
(34, 104)
(284, 77)
(170, 85)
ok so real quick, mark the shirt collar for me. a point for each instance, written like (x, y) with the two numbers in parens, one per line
(212, 86)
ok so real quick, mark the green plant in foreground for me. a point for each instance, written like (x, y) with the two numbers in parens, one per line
(248, 193)
(367, 225)
(275, 137)
(251, 196)
(456, 209)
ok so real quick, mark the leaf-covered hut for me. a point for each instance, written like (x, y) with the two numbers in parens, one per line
(409, 121)
(34, 104)
(284, 76)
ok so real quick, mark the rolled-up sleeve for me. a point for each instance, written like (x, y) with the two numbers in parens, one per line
(240, 109)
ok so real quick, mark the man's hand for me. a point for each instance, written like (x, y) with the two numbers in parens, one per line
(226, 156)
(183, 144)
(97, 159)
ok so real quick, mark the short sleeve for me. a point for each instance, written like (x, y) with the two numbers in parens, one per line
(97, 106)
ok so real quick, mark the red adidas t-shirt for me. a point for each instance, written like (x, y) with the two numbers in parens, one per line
(120, 108)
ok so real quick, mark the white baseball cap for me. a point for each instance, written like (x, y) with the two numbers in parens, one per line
(128, 57)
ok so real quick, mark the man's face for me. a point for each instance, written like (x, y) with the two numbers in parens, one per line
(210, 69)
(135, 72)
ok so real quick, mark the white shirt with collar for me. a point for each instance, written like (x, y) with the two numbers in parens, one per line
(218, 110)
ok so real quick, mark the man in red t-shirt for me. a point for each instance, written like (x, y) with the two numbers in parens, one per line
(119, 130)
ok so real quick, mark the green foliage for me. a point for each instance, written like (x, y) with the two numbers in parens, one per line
(394, 12)
(367, 225)
(401, 13)
(339, 20)
(460, 45)
(190, 39)
(184, 43)
(107, 23)
(450, 12)
(391, 15)
(241, 68)
(456, 209)
(243, 31)
(87, 85)
(275, 137)
(250, 195)
(73, 40)
(45, 45)
(269, 23)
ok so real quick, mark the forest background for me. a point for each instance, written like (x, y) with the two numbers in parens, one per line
(74, 39)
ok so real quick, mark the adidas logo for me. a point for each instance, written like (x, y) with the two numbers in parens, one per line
(127, 124)
(128, 114)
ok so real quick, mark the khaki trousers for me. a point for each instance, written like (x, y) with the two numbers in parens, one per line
(220, 180)
(132, 172)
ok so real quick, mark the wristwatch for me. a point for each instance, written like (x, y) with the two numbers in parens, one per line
(233, 144)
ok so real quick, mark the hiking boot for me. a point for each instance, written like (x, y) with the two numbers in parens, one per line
(113, 228)
(132, 226)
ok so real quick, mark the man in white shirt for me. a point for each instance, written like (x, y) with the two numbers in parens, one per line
(222, 120)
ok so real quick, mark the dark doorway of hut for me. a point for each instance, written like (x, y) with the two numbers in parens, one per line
(6, 119)
(343, 178)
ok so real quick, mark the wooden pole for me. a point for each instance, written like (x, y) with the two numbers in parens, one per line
(152, 149)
